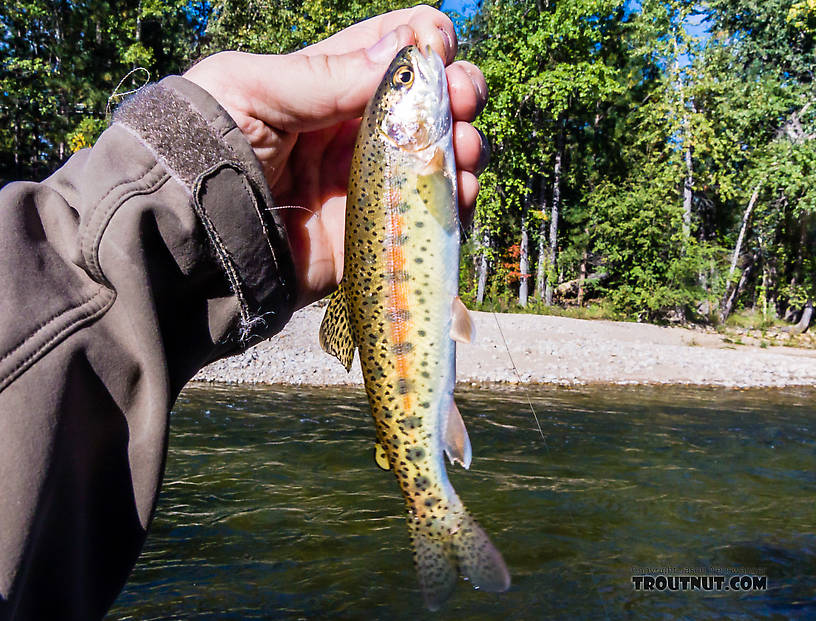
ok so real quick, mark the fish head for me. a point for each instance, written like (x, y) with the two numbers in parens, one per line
(412, 105)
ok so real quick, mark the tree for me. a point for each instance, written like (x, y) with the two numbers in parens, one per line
(545, 65)
(278, 27)
(62, 62)
(764, 52)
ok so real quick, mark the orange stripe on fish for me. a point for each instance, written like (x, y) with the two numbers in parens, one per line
(398, 298)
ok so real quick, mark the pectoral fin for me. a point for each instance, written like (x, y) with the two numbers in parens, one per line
(462, 328)
(438, 192)
(335, 331)
(457, 442)
(381, 457)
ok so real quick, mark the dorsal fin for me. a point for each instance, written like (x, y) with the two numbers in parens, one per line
(462, 328)
(335, 331)
(457, 442)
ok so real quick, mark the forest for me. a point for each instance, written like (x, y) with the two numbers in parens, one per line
(651, 160)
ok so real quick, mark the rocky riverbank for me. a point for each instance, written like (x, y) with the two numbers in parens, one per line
(546, 350)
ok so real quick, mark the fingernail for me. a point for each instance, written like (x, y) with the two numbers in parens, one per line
(482, 91)
(466, 218)
(484, 153)
(383, 50)
(447, 43)
(480, 88)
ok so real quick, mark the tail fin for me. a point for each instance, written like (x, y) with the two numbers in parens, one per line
(467, 552)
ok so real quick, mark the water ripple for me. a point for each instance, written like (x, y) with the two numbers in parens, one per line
(272, 507)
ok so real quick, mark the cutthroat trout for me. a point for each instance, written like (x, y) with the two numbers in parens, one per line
(398, 304)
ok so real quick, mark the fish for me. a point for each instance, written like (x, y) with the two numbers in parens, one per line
(398, 305)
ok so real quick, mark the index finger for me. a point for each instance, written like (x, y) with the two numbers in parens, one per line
(430, 26)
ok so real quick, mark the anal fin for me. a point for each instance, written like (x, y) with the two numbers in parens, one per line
(457, 442)
(335, 331)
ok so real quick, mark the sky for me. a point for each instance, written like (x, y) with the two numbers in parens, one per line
(696, 26)
(465, 8)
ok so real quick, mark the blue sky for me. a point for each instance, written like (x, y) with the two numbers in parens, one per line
(463, 7)
(696, 26)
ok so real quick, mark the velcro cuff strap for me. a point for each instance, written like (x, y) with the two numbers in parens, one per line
(202, 148)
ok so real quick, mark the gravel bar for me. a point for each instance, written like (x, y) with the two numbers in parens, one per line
(546, 350)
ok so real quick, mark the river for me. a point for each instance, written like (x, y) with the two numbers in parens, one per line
(272, 507)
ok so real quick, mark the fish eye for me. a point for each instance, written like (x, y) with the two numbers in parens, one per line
(403, 76)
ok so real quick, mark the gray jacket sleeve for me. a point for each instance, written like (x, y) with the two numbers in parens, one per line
(138, 262)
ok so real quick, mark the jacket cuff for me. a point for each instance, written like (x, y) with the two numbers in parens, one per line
(201, 147)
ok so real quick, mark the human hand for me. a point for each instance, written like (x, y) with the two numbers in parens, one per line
(300, 113)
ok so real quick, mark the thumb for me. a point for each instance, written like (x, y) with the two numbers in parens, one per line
(311, 91)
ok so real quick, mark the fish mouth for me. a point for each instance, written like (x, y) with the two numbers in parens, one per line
(431, 68)
(417, 116)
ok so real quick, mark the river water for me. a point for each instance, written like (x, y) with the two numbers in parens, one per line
(272, 507)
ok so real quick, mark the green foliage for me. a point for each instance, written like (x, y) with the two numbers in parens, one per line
(639, 114)
(771, 35)
(86, 133)
(802, 15)
(61, 62)
(278, 27)
(648, 109)
(752, 320)
(650, 266)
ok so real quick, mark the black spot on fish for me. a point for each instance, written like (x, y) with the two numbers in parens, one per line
(415, 454)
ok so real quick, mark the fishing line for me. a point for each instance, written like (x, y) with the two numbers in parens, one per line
(311, 211)
(547, 449)
(518, 377)
(115, 95)
(512, 362)
(523, 386)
